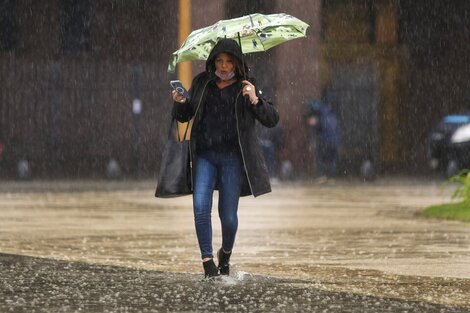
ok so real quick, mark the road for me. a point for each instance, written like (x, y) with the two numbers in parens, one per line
(362, 246)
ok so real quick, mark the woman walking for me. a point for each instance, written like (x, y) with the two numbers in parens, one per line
(225, 152)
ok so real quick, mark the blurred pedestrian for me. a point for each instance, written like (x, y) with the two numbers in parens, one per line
(272, 141)
(225, 107)
(326, 131)
(2, 149)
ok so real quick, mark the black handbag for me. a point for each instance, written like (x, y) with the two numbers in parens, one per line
(174, 178)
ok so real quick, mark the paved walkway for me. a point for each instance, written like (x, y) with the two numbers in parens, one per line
(305, 246)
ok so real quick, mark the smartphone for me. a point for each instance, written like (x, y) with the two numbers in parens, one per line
(178, 86)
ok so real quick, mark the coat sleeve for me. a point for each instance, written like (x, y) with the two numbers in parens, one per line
(265, 112)
(182, 112)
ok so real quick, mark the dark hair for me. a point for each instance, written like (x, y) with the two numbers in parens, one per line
(238, 67)
(231, 47)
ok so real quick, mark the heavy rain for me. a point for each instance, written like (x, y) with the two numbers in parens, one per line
(373, 102)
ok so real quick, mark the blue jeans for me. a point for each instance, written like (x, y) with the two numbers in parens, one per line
(225, 170)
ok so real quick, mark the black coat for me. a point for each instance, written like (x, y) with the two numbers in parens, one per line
(256, 180)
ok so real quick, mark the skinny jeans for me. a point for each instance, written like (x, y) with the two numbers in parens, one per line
(224, 170)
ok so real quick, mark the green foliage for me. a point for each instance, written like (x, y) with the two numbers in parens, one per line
(451, 211)
(455, 210)
(463, 190)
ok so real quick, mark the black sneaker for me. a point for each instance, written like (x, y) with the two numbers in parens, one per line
(224, 265)
(210, 270)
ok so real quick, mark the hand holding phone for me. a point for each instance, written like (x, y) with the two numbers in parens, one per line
(179, 88)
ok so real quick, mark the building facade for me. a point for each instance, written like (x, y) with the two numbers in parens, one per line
(83, 82)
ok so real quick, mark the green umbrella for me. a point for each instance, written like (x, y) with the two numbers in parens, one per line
(254, 32)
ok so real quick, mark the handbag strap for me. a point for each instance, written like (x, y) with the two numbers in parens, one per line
(185, 132)
(173, 120)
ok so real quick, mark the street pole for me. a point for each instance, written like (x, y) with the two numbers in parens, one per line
(184, 68)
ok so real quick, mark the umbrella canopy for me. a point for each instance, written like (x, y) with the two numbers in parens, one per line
(255, 33)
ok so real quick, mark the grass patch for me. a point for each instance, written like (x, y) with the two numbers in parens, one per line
(451, 211)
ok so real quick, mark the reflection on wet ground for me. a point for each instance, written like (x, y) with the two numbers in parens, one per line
(338, 244)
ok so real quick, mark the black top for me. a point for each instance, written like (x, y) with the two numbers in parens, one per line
(218, 128)
(256, 178)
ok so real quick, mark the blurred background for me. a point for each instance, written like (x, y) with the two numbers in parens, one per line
(84, 87)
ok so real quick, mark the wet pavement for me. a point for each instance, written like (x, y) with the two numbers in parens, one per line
(45, 285)
(344, 247)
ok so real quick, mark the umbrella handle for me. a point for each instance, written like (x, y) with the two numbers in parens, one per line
(243, 58)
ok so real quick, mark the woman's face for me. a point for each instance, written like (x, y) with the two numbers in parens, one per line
(224, 63)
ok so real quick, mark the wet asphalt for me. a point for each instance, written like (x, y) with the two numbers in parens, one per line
(98, 246)
(43, 285)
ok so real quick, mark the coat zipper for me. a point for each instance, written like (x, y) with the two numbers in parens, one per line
(241, 148)
(190, 153)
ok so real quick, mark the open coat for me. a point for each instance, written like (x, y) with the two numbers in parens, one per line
(256, 180)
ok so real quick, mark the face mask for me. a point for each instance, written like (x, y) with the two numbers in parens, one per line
(225, 76)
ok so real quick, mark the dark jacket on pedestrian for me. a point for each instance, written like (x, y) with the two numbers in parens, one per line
(256, 180)
(328, 127)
